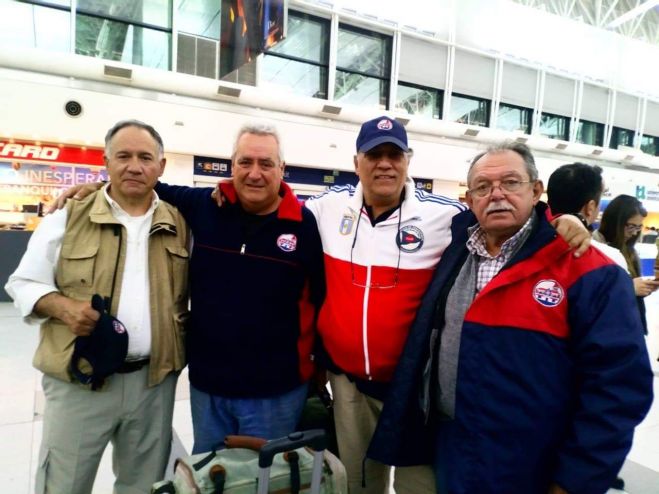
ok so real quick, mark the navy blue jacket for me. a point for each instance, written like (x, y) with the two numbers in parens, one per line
(255, 287)
(553, 375)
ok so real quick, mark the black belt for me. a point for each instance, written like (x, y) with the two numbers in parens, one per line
(132, 366)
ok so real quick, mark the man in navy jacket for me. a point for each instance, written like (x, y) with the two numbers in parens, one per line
(256, 282)
(525, 370)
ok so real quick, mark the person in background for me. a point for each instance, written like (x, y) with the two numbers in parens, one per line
(576, 189)
(125, 234)
(525, 367)
(621, 225)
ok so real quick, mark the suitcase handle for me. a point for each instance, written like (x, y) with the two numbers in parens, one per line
(315, 439)
(247, 442)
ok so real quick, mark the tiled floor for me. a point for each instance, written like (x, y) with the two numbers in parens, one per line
(21, 402)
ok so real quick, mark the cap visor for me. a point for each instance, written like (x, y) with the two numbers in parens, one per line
(367, 146)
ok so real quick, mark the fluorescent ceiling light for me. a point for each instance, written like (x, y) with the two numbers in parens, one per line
(635, 12)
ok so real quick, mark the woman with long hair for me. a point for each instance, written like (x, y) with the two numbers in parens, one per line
(622, 222)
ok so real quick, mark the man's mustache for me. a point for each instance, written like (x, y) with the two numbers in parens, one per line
(498, 207)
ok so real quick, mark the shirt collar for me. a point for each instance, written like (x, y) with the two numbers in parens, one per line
(477, 246)
(118, 211)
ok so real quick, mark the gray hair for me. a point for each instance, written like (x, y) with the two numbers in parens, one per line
(140, 125)
(522, 149)
(259, 129)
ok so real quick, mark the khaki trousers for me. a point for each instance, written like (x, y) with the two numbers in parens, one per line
(79, 423)
(356, 416)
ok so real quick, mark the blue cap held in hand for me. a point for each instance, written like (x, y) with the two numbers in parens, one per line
(104, 349)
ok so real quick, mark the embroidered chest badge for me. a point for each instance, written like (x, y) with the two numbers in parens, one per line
(287, 242)
(548, 293)
(345, 227)
(409, 238)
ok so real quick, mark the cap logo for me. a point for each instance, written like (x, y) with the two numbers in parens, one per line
(409, 238)
(548, 293)
(118, 327)
(287, 242)
(385, 124)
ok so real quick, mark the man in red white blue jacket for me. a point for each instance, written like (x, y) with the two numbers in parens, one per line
(530, 363)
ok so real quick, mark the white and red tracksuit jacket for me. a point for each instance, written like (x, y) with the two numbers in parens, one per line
(376, 275)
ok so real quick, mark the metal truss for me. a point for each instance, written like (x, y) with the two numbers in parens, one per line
(640, 21)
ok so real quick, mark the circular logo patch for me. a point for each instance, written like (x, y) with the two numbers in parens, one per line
(385, 124)
(287, 242)
(118, 327)
(548, 293)
(409, 239)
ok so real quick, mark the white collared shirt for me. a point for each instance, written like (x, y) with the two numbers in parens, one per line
(35, 275)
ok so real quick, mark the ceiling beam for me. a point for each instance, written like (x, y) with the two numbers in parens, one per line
(640, 9)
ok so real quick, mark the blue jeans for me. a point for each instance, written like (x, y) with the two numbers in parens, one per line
(214, 417)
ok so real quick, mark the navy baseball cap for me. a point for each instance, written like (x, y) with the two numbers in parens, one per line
(381, 130)
(104, 349)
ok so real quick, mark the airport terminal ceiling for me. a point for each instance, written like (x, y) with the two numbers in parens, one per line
(633, 18)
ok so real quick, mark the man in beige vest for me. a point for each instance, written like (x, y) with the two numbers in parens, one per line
(130, 248)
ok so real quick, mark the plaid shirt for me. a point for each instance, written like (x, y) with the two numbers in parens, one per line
(489, 266)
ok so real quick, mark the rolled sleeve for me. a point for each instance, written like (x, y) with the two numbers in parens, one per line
(35, 275)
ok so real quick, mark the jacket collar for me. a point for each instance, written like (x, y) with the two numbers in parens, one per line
(407, 208)
(289, 207)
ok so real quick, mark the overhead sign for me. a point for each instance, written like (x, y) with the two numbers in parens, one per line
(26, 150)
(53, 175)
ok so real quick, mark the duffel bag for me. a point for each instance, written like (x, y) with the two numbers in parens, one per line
(236, 470)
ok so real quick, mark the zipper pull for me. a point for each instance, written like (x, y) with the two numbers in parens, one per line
(242, 249)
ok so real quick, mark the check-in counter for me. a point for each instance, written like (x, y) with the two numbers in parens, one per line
(12, 246)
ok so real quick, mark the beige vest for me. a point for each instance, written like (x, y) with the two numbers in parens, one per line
(86, 266)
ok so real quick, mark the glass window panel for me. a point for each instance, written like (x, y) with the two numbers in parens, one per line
(200, 17)
(361, 90)
(298, 77)
(307, 38)
(32, 26)
(590, 133)
(472, 111)
(155, 12)
(114, 40)
(649, 145)
(364, 51)
(621, 137)
(554, 126)
(419, 101)
(514, 118)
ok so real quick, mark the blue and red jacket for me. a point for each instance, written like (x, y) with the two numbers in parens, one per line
(256, 284)
(553, 375)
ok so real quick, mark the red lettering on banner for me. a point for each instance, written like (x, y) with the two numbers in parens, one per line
(58, 154)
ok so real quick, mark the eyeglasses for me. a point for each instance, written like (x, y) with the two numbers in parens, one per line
(508, 186)
(633, 228)
(377, 285)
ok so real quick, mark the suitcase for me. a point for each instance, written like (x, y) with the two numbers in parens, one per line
(294, 464)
